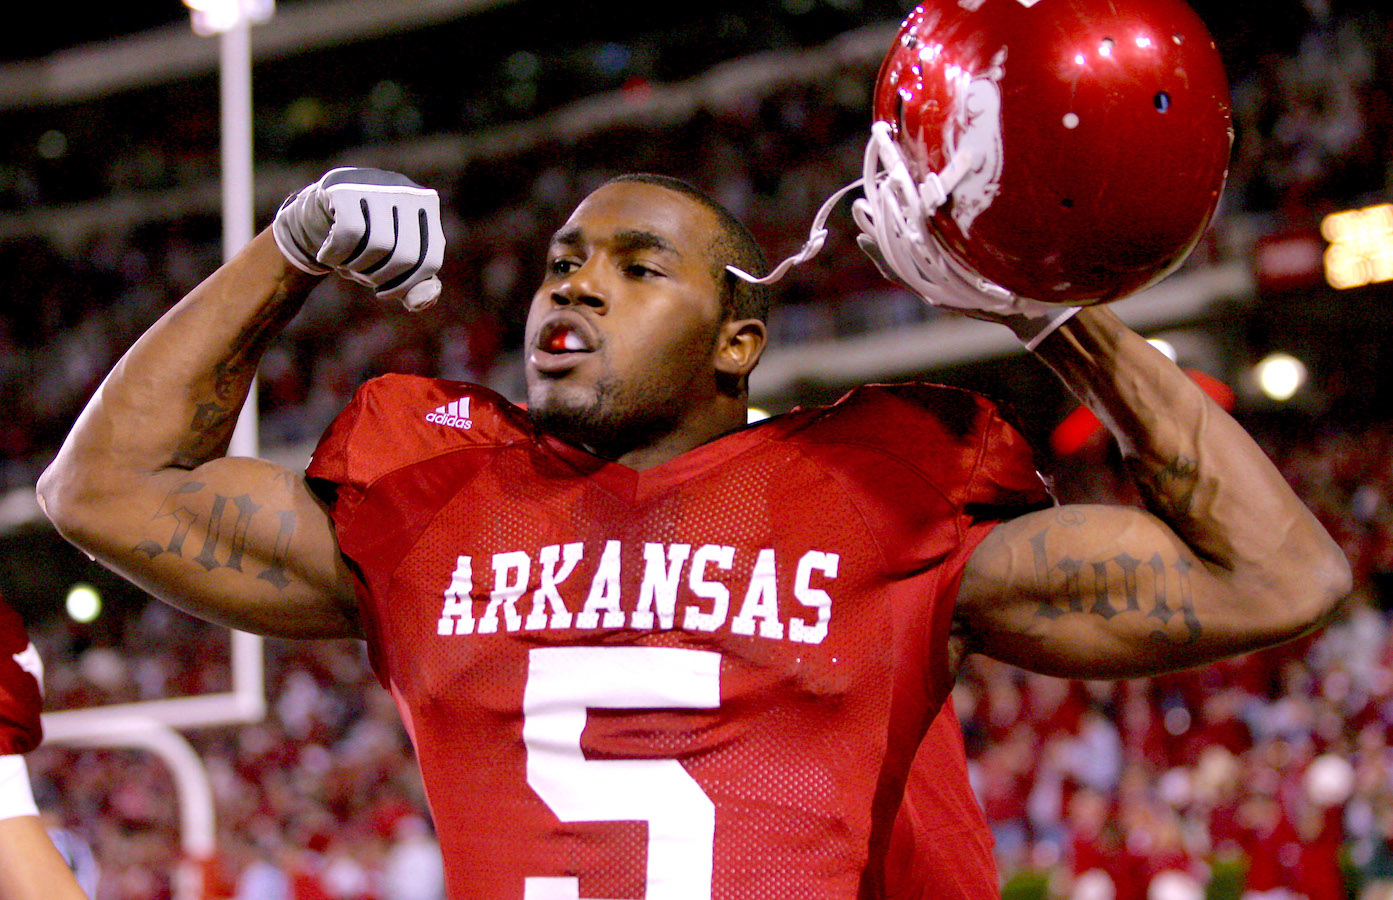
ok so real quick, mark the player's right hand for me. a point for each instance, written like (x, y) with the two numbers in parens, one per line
(378, 228)
(21, 677)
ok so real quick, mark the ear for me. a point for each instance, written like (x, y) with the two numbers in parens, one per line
(738, 350)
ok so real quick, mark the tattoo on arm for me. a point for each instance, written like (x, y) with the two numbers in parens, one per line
(210, 417)
(1170, 490)
(225, 532)
(216, 414)
(1157, 588)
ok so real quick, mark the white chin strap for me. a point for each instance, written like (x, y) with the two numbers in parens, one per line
(817, 236)
(894, 219)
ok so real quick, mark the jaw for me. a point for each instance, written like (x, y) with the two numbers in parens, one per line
(620, 403)
(574, 408)
(548, 397)
(568, 381)
(638, 435)
(596, 416)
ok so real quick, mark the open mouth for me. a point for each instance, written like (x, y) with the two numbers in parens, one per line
(561, 344)
(563, 338)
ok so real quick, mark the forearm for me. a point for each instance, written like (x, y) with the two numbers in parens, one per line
(1198, 470)
(172, 400)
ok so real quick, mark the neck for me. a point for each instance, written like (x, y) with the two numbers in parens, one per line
(726, 417)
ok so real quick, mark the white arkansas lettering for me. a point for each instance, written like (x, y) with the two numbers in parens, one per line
(682, 586)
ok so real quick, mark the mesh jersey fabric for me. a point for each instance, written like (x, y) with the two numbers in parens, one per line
(705, 679)
(941, 847)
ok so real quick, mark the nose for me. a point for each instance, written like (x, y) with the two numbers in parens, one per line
(583, 286)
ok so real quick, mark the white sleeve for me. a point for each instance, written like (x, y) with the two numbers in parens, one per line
(16, 797)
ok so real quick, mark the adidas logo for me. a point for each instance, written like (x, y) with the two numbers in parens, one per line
(454, 414)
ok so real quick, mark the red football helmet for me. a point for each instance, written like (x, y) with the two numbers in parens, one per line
(1082, 145)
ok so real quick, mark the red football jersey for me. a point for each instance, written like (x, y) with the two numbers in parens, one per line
(21, 702)
(704, 680)
(941, 845)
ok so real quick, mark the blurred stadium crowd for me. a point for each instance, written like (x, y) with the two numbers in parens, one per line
(1270, 776)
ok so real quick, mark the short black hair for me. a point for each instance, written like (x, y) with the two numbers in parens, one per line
(734, 245)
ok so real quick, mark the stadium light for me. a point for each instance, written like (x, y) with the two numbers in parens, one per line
(212, 17)
(1280, 376)
(1361, 246)
(1165, 347)
(84, 603)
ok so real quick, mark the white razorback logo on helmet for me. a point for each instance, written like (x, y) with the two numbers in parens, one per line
(972, 138)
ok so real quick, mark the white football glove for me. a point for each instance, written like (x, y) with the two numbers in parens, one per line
(895, 232)
(893, 217)
(375, 227)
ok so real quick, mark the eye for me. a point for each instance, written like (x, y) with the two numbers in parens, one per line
(562, 265)
(641, 270)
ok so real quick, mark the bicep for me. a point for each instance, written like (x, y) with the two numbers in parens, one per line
(237, 541)
(1097, 592)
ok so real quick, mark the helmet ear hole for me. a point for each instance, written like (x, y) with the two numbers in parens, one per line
(1162, 101)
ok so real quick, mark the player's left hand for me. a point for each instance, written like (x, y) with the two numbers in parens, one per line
(987, 312)
(894, 218)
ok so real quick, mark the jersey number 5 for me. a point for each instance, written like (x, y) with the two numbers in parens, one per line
(562, 683)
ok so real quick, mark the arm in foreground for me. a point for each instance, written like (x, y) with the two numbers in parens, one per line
(31, 868)
(1227, 559)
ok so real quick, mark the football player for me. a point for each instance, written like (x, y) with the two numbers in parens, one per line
(643, 649)
(31, 868)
